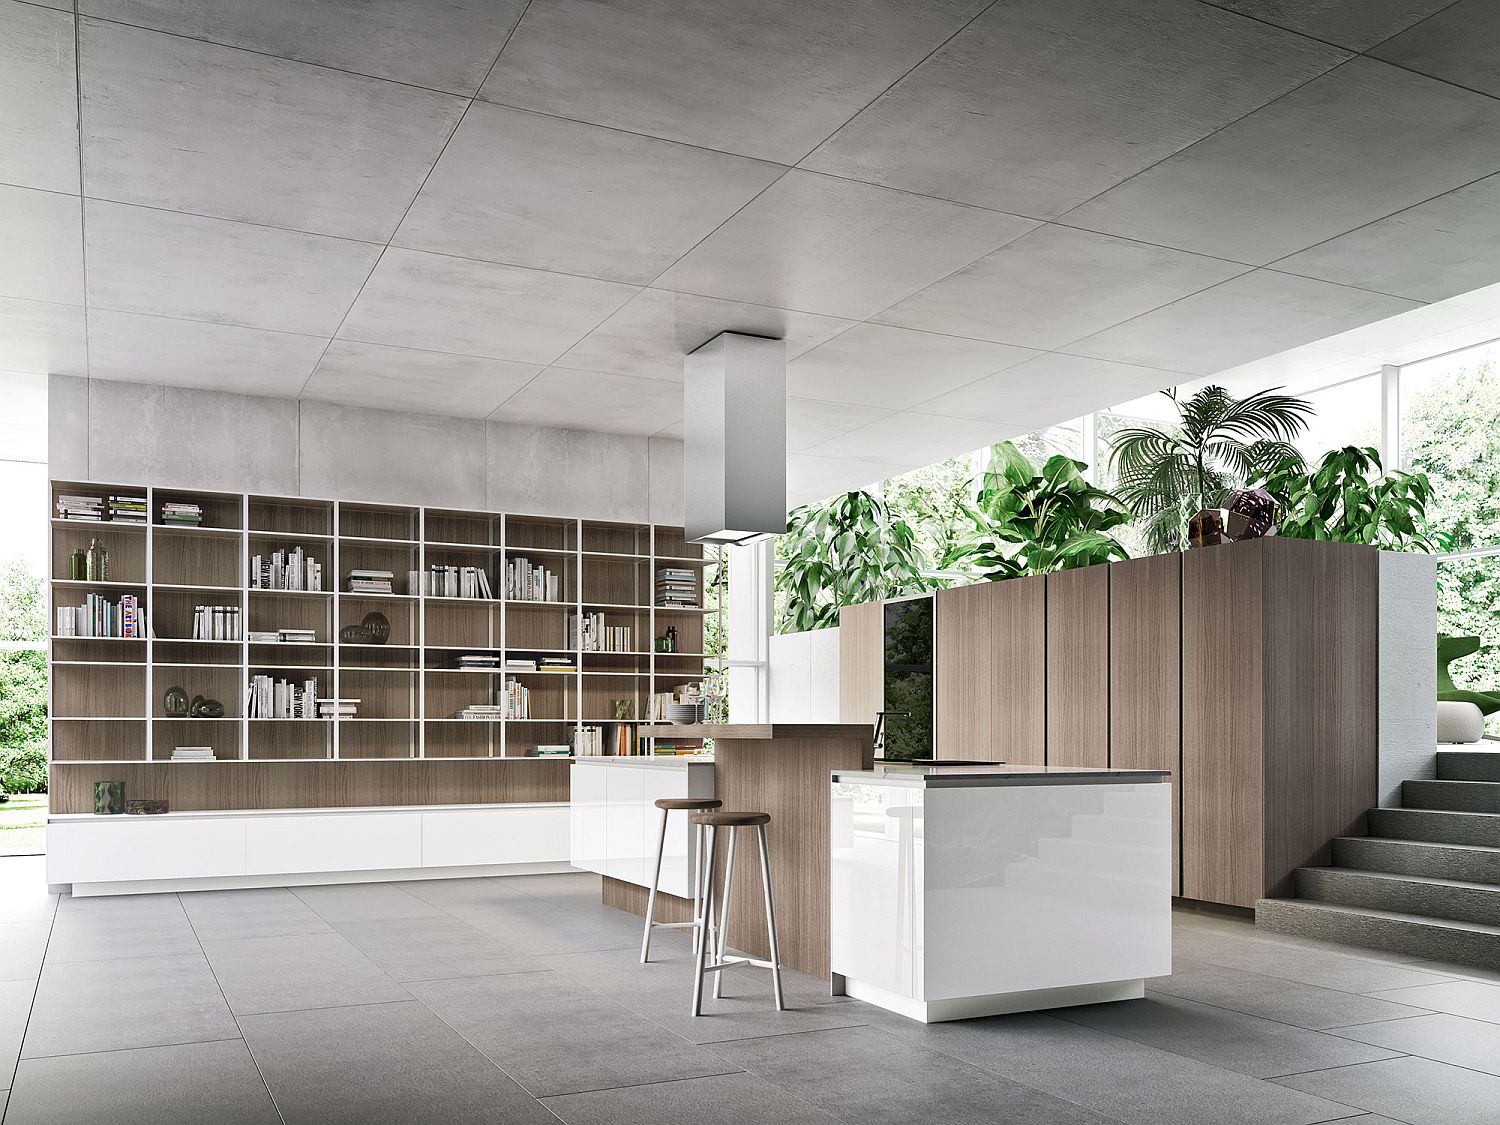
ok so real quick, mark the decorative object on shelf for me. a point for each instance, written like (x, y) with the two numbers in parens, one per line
(1460, 712)
(146, 806)
(192, 754)
(684, 712)
(378, 626)
(667, 642)
(1206, 529)
(1252, 514)
(204, 708)
(355, 635)
(78, 565)
(109, 798)
(96, 566)
(175, 703)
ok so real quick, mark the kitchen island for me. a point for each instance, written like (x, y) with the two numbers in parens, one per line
(972, 890)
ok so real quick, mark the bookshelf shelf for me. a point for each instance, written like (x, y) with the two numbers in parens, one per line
(108, 691)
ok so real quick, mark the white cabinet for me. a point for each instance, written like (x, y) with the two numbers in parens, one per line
(503, 835)
(111, 849)
(333, 842)
(615, 824)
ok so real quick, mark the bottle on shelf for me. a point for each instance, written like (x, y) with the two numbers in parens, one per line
(78, 565)
(97, 564)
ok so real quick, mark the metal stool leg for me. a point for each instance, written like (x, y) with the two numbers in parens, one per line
(703, 946)
(723, 915)
(765, 874)
(661, 846)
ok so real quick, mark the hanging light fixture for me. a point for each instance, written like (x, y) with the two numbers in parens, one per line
(735, 444)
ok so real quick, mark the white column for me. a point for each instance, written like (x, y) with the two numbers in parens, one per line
(748, 623)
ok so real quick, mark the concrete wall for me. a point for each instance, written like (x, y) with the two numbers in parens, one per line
(1408, 671)
(804, 677)
(137, 433)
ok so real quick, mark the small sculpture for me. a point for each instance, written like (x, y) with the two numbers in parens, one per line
(175, 703)
(1206, 529)
(109, 798)
(1252, 514)
(204, 708)
(378, 626)
(355, 635)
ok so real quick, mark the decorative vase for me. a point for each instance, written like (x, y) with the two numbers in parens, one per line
(203, 708)
(354, 635)
(378, 626)
(175, 703)
(78, 565)
(1459, 722)
(97, 564)
(109, 798)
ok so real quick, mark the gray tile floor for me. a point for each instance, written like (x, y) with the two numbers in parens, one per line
(521, 1000)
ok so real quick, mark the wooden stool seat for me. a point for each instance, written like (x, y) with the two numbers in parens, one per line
(731, 819)
(689, 804)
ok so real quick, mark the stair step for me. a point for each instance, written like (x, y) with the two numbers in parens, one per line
(1448, 899)
(1393, 931)
(1418, 857)
(1468, 765)
(1437, 826)
(1453, 796)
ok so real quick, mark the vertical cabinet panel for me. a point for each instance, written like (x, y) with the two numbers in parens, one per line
(861, 662)
(1145, 670)
(1078, 667)
(991, 672)
(1223, 765)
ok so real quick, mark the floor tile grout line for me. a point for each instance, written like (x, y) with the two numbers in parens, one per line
(697, 1078)
(1394, 1056)
(1326, 987)
(36, 989)
(138, 1047)
(1397, 1058)
(1285, 1023)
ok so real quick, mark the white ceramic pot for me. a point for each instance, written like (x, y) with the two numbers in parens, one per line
(1459, 722)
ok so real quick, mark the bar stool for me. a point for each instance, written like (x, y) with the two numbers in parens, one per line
(713, 821)
(669, 805)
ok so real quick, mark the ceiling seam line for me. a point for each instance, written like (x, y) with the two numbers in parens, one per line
(83, 239)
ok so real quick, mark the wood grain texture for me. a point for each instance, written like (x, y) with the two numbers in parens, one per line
(1078, 667)
(1145, 671)
(631, 897)
(763, 731)
(990, 698)
(789, 779)
(1321, 676)
(1223, 724)
(861, 662)
(194, 786)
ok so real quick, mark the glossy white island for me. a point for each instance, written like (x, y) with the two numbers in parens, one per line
(962, 891)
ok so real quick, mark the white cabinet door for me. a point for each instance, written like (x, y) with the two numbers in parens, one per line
(676, 856)
(143, 848)
(460, 837)
(278, 845)
(624, 833)
(586, 849)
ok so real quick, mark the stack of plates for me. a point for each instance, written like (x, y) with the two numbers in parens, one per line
(684, 712)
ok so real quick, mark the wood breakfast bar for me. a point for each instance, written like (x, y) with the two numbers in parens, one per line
(782, 769)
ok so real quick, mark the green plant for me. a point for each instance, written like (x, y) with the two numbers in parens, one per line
(1450, 649)
(1349, 498)
(844, 551)
(1165, 473)
(23, 770)
(1033, 521)
(23, 699)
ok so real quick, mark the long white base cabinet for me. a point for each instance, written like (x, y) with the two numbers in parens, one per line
(288, 847)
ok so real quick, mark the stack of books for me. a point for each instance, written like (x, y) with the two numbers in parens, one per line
(99, 617)
(182, 514)
(552, 751)
(525, 582)
(588, 742)
(519, 664)
(557, 664)
(589, 632)
(216, 623)
(268, 698)
(337, 708)
(370, 581)
(127, 509)
(452, 582)
(491, 712)
(286, 569)
(516, 700)
(478, 660)
(677, 586)
(263, 637)
(192, 753)
(87, 508)
(296, 636)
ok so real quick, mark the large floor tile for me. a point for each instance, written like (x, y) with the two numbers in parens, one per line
(863, 1074)
(1258, 1047)
(1444, 1038)
(364, 902)
(21, 947)
(552, 927)
(1456, 970)
(23, 888)
(303, 971)
(84, 1006)
(1129, 1082)
(98, 929)
(555, 1036)
(737, 1098)
(1302, 1005)
(1325, 968)
(189, 1084)
(411, 949)
(271, 912)
(373, 1064)
(15, 1009)
(1418, 1091)
(1478, 1000)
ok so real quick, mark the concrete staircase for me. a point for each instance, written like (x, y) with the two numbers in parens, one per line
(1426, 880)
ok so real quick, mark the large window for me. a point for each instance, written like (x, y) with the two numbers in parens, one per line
(1346, 414)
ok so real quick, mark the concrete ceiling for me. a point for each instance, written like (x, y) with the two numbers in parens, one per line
(968, 219)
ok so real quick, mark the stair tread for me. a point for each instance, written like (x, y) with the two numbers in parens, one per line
(1448, 781)
(1390, 915)
(1396, 876)
(1442, 812)
(1429, 843)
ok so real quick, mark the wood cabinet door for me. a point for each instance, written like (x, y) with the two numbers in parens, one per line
(1078, 667)
(861, 662)
(991, 672)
